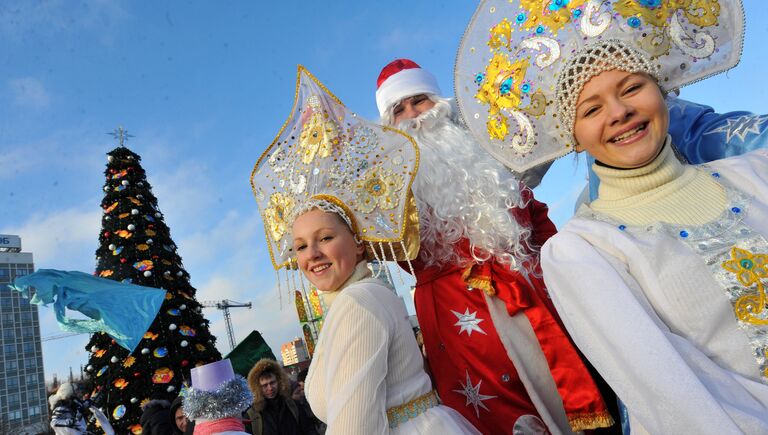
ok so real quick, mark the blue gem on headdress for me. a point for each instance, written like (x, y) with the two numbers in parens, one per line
(554, 5)
(736, 210)
(716, 174)
(525, 88)
(576, 13)
(506, 86)
(651, 3)
(377, 187)
(683, 234)
(382, 223)
(540, 29)
(520, 18)
(622, 227)
(634, 22)
(479, 77)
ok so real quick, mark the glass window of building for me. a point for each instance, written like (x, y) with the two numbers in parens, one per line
(8, 334)
(12, 382)
(9, 350)
(14, 400)
(31, 378)
(5, 274)
(12, 365)
(34, 410)
(14, 415)
(30, 363)
(8, 319)
(29, 347)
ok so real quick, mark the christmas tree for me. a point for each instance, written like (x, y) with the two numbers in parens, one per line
(135, 246)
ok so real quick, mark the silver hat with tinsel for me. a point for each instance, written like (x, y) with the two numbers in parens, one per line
(216, 392)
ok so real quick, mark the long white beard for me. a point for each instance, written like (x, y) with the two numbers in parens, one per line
(461, 191)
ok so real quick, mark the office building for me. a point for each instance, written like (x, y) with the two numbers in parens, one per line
(23, 401)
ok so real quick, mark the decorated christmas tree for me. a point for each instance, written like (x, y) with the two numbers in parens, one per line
(135, 246)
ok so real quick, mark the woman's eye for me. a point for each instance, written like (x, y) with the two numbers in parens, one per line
(326, 238)
(589, 112)
(632, 88)
(398, 110)
(300, 248)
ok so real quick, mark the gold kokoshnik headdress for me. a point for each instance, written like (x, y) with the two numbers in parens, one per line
(522, 63)
(328, 157)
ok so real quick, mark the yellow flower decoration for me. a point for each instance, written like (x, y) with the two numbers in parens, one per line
(501, 35)
(501, 87)
(280, 206)
(702, 13)
(748, 267)
(552, 14)
(378, 188)
(129, 361)
(318, 135)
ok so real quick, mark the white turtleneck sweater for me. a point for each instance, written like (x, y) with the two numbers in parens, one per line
(639, 280)
(367, 361)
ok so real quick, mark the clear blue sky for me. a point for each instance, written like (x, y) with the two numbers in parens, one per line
(204, 87)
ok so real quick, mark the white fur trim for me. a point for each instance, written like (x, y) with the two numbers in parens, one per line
(406, 83)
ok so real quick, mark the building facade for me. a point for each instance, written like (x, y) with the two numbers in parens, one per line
(23, 401)
(294, 352)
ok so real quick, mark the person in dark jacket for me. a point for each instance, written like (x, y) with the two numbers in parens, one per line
(273, 411)
(181, 424)
(155, 420)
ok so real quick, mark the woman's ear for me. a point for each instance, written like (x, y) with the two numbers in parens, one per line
(360, 248)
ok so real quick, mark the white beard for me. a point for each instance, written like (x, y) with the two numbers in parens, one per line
(461, 191)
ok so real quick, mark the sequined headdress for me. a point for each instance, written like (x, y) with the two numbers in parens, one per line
(326, 152)
(522, 63)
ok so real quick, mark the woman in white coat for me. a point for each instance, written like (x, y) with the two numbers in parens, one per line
(334, 191)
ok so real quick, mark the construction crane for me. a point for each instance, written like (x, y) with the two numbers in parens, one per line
(225, 305)
(60, 336)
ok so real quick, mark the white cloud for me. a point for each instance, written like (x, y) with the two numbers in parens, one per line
(64, 239)
(29, 92)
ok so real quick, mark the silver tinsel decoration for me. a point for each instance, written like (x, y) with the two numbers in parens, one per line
(229, 399)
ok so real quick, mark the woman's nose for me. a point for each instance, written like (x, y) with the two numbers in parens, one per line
(620, 111)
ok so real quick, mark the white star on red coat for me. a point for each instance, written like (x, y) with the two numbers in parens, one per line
(472, 393)
(468, 322)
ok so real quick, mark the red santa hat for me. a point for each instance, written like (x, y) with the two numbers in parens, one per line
(403, 78)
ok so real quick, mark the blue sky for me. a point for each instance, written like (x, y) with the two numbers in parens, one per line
(204, 87)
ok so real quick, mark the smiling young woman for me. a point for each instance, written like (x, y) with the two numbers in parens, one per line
(326, 250)
(660, 279)
(621, 119)
(331, 205)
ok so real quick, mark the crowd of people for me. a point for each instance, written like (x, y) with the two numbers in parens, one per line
(278, 406)
(647, 312)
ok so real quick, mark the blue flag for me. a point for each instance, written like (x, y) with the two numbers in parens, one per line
(124, 311)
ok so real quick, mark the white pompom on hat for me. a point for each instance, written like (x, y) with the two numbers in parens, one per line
(65, 391)
(403, 78)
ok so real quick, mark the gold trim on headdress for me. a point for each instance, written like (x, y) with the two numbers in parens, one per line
(513, 51)
(323, 151)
